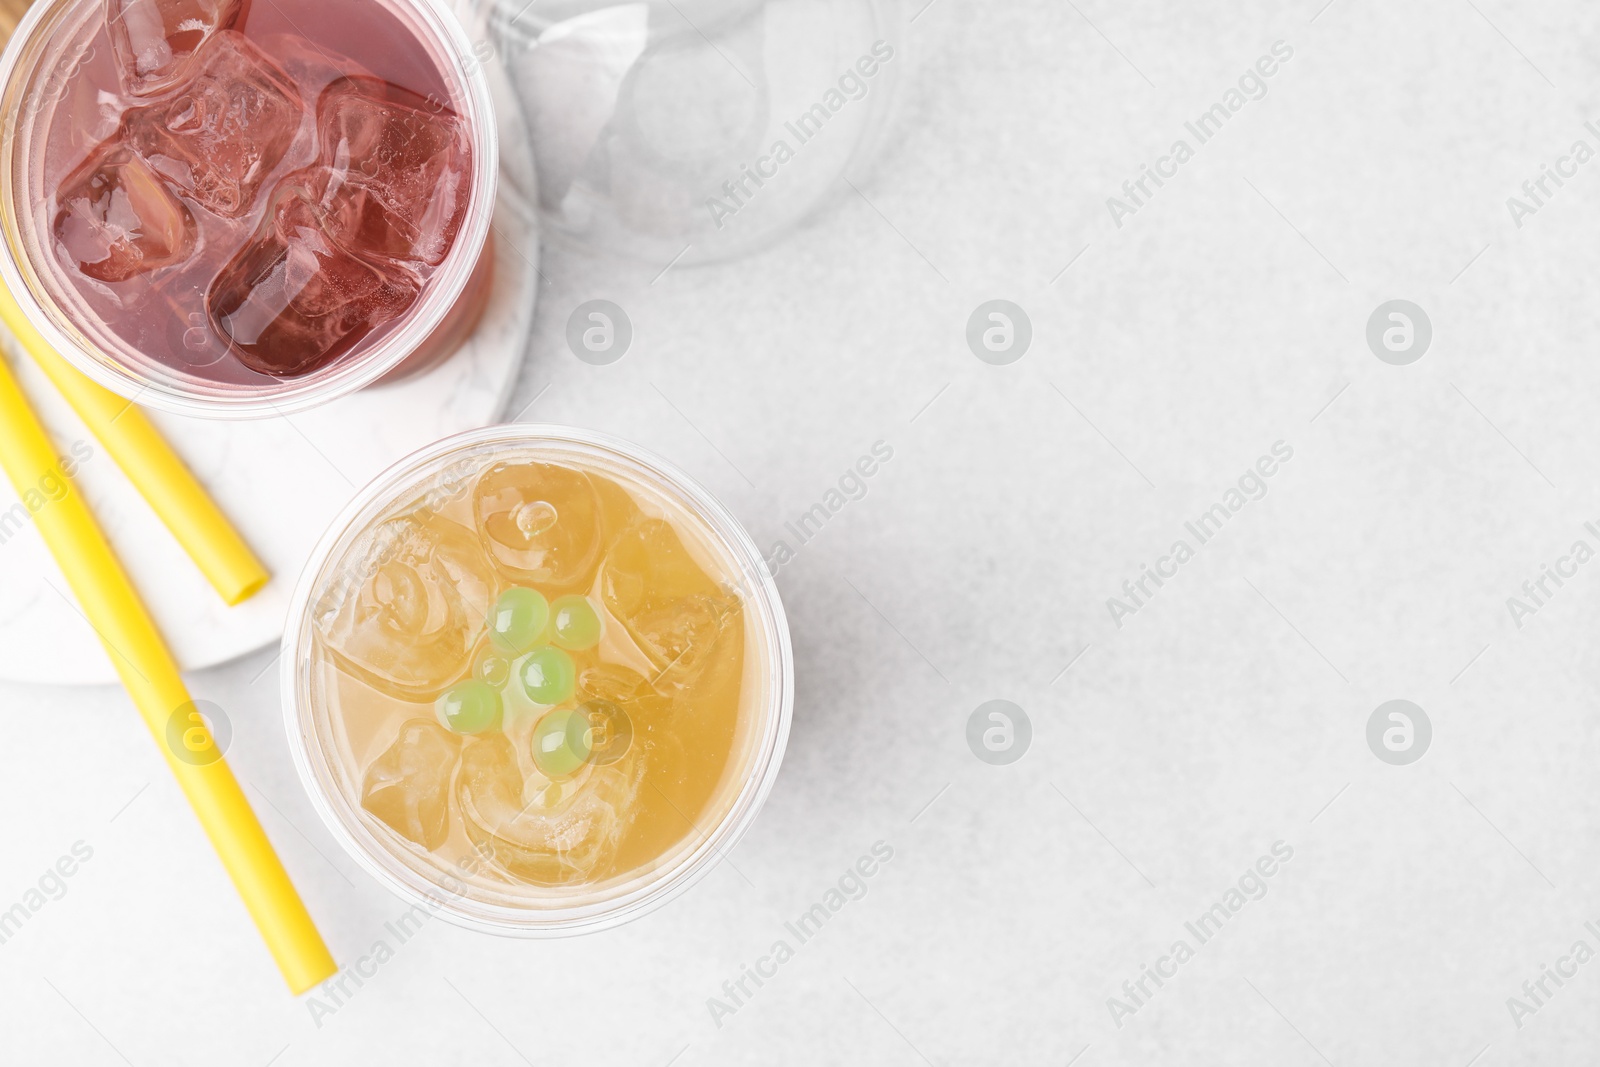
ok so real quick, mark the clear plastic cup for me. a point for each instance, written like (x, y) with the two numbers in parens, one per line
(694, 131)
(36, 74)
(455, 891)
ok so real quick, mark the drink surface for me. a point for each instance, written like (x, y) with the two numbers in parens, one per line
(534, 679)
(250, 190)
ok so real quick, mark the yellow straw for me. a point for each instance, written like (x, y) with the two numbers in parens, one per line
(152, 466)
(113, 608)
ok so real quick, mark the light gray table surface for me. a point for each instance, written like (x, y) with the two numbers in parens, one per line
(1225, 716)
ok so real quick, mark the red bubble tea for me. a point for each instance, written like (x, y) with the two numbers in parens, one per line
(252, 191)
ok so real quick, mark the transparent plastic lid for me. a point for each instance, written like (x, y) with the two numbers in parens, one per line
(692, 130)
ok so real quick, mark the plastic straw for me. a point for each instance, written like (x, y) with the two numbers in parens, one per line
(113, 608)
(151, 465)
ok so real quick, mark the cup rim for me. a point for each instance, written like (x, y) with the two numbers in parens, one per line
(444, 288)
(658, 886)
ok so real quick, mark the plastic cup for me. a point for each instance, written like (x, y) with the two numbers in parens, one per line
(36, 72)
(693, 131)
(450, 890)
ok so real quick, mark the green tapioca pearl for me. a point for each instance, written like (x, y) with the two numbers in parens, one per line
(549, 676)
(575, 623)
(561, 743)
(518, 619)
(470, 707)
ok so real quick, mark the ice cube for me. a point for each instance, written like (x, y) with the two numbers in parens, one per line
(408, 787)
(408, 606)
(537, 830)
(666, 601)
(117, 219)
(154, 39)
(219, 136)
(294, 299)
(613, 682)
(627, 689)
(397, 169)
(541, 522)
(312, 67)
(680, 636)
